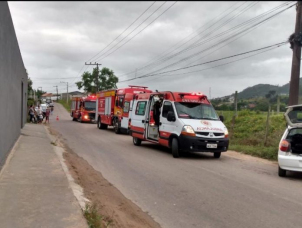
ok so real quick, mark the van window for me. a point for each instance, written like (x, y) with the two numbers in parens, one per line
(167, 108)
(140, 108)
(126, 107)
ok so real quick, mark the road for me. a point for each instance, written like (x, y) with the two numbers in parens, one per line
(193, 191)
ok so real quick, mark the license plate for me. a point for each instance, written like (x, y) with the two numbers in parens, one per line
(211, 145)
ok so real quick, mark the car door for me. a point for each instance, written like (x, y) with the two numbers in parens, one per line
(166, 127)
(125, 115)
(293, 116)
(138, 120)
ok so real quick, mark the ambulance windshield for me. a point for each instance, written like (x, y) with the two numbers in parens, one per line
(195, 111)
(90, 105)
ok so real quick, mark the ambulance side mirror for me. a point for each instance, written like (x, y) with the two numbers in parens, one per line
(221, 118)
(171, 116)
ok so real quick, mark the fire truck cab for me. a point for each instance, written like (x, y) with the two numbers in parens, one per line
(180, 121)
(114, 107)
(83, 108)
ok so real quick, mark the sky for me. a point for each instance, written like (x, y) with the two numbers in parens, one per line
(57, 38)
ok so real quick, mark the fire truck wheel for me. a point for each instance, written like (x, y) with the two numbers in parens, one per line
(117, 130)
(174, 147)
(137, 141)
(217, 155)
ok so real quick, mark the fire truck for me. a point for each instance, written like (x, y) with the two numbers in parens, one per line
(113, 107)
(179, 121)
(83, 108)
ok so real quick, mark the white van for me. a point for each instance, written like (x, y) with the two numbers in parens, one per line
(187, 122)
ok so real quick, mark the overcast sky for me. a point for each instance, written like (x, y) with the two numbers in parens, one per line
(56, 38)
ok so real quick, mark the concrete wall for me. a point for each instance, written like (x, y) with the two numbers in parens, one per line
(13, 100)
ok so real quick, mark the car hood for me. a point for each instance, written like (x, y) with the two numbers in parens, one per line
(205, 125)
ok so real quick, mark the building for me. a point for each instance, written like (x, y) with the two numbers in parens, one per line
(13, 85)
(71, 94)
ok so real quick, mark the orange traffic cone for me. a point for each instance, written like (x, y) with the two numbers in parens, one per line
(57, 118)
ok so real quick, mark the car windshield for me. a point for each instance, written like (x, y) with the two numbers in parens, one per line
(195, 111)
(90, 105)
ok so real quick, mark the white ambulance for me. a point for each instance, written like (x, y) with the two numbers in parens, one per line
(180, 121)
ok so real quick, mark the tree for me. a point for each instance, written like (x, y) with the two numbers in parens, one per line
(106, 80)
(29, 85)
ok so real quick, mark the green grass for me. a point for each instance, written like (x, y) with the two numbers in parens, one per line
(94, 219)
(66, 105)
(248, 133)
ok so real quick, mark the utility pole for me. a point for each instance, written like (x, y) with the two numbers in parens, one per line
(278, 104)
(67, 95)
(57, 92)
(97, 76)
(235, 102)
(296, 42)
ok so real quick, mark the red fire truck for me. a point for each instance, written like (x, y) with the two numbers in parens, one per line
(114, 107)
(83, 108)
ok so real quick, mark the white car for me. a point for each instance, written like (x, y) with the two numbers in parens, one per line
(290, 147)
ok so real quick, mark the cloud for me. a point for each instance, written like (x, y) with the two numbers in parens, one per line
(56, 38)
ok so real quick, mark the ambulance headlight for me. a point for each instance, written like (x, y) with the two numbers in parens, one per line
(188, 130)
(226, 133)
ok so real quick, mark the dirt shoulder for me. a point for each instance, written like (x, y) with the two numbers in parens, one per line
(109, 201)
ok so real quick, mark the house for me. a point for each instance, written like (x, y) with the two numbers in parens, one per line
(71, 94)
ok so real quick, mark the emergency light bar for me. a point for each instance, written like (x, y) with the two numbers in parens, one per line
(200, 95)
(133, 86)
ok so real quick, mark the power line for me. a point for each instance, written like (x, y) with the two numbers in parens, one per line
(243, 53)
(223, 40)
(98, 58)
(139, 31)
(189, 36)
(123, 31)
(162, 60)
(219, 35)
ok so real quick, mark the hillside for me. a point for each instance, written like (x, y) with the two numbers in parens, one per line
(261, 90)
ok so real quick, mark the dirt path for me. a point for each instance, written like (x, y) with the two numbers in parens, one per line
(110, 202)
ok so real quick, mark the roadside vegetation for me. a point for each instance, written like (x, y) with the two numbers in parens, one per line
(247, 132)
(66, 105)
(94, 219)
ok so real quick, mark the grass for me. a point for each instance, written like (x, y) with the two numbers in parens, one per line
(248, 133)
(66, 105)
(94, 219)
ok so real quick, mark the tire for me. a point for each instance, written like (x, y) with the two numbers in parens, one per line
(99, 125)
(137, 141)
(174, 148)
(117, 130)
(217, 155)
(281, 172)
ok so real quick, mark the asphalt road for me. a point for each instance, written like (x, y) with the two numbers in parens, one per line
(193, 191)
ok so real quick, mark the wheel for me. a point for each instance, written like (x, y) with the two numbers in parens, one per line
(174, 147)
(99, 123)
(117, 130)
(137, 141)
(217, 155)
(281, 172)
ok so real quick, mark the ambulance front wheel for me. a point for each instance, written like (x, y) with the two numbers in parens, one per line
(137, 141)
(217, 155)
(175, 148)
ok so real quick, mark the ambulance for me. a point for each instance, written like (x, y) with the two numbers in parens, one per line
(113, 107)
(83, 108)
(183, 122)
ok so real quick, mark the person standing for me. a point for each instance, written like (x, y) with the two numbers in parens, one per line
(31, 114)
(47, 113)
